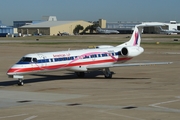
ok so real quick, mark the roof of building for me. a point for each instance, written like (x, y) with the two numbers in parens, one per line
(47, 24)
(4, 26)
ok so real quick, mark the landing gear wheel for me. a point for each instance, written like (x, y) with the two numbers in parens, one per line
(20, 83)
(80, 74)
(108, 76)
(107, 73)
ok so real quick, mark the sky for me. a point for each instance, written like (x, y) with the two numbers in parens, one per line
(90, 10)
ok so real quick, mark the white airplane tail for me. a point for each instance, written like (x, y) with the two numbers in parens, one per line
(161, 28)
(98, 29)
(135, 38)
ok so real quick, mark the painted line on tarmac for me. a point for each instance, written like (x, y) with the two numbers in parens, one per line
(119, 115)
(30, 118)
(156, 105)
(13, 116)
(169, 53)
(36, 96)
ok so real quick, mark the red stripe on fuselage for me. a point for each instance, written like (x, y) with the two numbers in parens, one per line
(59, 66)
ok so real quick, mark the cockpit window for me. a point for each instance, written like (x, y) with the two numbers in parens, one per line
(25, 59)
(28, 59)
(34, 60)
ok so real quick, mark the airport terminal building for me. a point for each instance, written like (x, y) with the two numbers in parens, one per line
(5, 30)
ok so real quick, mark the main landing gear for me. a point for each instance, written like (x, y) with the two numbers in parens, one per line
(80, 74)
(107, 73)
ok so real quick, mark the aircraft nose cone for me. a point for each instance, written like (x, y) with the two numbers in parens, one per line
(11, 71)
(14, 69)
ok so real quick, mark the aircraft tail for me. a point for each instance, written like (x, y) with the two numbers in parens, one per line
(161, 28)
(135, 38)
(98, 29)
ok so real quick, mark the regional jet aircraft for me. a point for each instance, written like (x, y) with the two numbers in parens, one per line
(102, 58)
(106, 31)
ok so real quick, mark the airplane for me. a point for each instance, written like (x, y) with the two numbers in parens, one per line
(169, 32)
(102, 57)
(106, 31)
(63, 34)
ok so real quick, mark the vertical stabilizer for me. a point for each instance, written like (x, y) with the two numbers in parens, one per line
(135, 38)
(98, 29)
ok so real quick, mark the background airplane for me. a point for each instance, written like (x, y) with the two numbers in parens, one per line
(101, 58)
(106, 31)
(168, 32)
(63, 34)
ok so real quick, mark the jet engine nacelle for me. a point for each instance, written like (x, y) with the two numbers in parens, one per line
(131, 51)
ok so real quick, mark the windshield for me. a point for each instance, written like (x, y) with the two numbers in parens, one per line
(25, 59)
(28, 59)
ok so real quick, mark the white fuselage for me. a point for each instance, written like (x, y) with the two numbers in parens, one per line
(72, 60)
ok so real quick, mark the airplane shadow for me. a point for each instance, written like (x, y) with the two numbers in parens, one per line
(67, 76)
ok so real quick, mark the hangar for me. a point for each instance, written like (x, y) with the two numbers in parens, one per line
(52, 27)
(167, 26)
(127, 27)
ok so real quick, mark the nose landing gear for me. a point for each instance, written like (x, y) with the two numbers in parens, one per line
(20, 82)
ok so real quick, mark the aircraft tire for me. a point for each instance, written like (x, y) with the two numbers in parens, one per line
(80, 74)
(108, 76)
(20, 83)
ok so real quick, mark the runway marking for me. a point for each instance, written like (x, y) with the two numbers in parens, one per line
(23, 96)
(30, 118)
(156, 105)
(13, 116)
(134, 118)
(115, 99)
(169, 53)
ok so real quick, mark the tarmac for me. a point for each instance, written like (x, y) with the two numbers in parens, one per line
(134, 93)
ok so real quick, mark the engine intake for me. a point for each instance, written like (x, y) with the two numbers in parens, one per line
(124, 51)
(131, 51)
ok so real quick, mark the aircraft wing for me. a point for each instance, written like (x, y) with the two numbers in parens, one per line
(126, 65)
(147, 24)
(141, 64)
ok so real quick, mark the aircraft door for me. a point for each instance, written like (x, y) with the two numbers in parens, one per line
(43, 60)
(34, 63)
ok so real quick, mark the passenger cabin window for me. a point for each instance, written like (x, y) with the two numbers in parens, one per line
(51, 60)
(104, 55)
